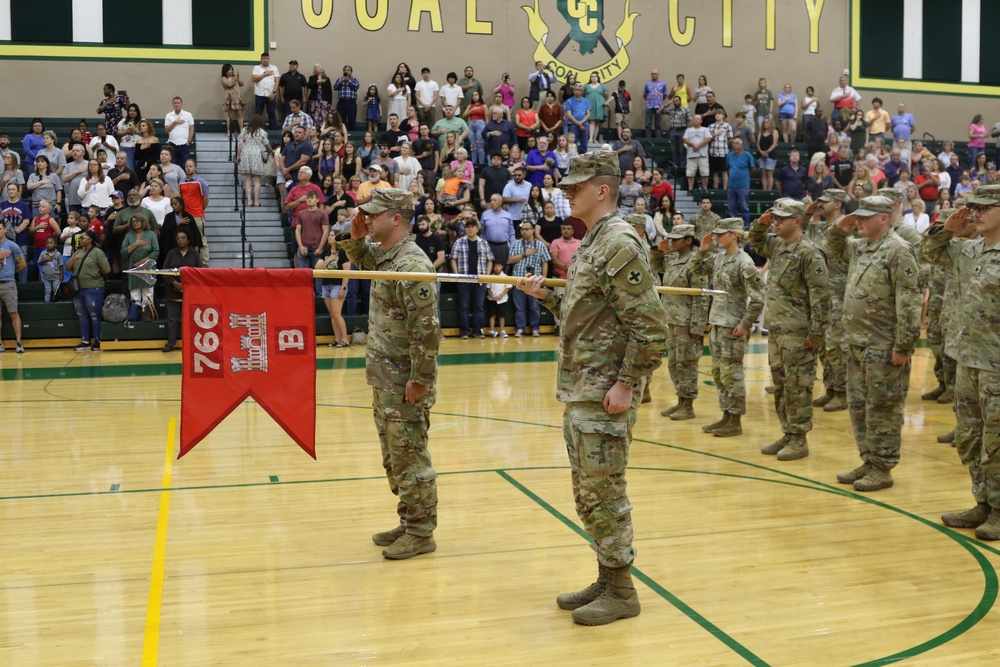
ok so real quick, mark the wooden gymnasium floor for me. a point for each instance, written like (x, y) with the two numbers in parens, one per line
(247, 552)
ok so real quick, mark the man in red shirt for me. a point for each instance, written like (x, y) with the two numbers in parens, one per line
(194, 192)
(296, 200)
(562, 249)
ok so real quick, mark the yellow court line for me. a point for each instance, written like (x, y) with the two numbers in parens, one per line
(151, 639)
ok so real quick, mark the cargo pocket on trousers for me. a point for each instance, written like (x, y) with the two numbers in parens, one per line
(602, 447)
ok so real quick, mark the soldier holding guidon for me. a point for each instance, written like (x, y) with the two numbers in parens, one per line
(612, 336)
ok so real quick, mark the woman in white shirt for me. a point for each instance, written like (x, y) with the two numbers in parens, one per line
(808, 104)
(399, 96)
(95, 188)
(128, 133)
(408, 166)
(156, 202)
(917, 218)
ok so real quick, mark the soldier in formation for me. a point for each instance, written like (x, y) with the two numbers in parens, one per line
(797, 317)
(977, 383)
(401, 364)
(731, 316)
(833, 354)
(882, 307)
(612, 336)
(687, 317)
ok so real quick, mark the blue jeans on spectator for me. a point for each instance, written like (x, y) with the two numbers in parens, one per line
(739, 204)
(476, 128)
(29, 260)
(579, 135)
(678, 149)
(181, 154)
(309, 262)
(974, 152)
(88, 303)
(470, 297)
(129, 156)
(533, 313)
(652, 123)
(260, 101)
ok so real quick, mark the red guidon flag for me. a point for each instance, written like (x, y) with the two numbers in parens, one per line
(248, 332)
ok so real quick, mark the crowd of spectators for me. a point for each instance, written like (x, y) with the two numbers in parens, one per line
(474, 156)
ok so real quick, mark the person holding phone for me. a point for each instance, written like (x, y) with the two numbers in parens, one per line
(541, 80)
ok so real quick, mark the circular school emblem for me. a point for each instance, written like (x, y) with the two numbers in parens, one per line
(586, 29)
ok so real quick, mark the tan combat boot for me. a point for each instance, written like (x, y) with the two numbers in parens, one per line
(947, 437)
(971, 518)
(388, 537)
(876, 479)
(947, 397)
(797, 448)
(588, 594)
(408, 546)
(670, 411)
(618, 600)
(987, 531)
(646, 396)
(733, 427)
(837, 403)
(824, 399)
(933, 394)
(852, 476)
(769, 389)
(685, 410)
(708, 428)
(775, 446)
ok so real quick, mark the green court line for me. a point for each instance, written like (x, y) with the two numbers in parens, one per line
(274, 479)
(115, 487)
(705, 624)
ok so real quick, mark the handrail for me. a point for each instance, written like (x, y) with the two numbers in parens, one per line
(240, 205)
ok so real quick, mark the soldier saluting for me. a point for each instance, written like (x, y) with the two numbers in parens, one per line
(882, 305)
(401, 364)
(797, 316)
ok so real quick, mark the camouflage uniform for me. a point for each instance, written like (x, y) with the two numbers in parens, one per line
(403, 344)
(977, 342)
(932, 278)
(704, 223)
(738, 277)
(612, 328)
(833, 355)
(686, 316)
(798, 309)
(882, 307)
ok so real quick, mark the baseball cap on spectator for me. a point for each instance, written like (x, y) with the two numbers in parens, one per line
(118, 194)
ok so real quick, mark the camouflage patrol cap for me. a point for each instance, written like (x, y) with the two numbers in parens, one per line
(388, 199)
(728, 225)
(988, 195)
(681, 231)
(636, 220)
(946, 213)
(788, 208)
(595, 163)
(891, 193)
(833, 194)
(874, 206)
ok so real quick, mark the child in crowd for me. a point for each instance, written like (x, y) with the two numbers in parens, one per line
(50, 268)
(42, 227)
(449, 185)
(95, 222)
(748, 109)
(69, 235)
(964, 186)
(373, 108)
(496, 298)
(342, 222)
